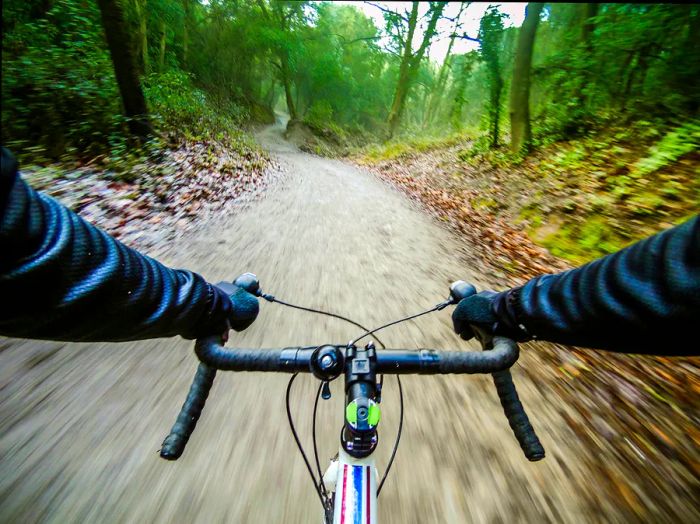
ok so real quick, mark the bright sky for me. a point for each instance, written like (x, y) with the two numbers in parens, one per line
(470, 22)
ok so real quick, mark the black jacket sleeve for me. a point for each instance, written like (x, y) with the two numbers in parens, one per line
(642, 299)
(63, 279)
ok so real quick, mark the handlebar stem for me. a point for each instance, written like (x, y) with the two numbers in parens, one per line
(359, 435)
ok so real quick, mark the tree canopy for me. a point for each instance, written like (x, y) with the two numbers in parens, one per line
(333, 66)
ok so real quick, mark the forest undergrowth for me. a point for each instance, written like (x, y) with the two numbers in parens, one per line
(577, 199)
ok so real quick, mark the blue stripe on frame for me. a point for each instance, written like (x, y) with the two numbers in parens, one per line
(359, 494)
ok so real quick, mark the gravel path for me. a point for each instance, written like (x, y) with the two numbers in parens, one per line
(80, 424)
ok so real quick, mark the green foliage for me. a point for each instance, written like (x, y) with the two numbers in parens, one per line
(674, 145)
(58, 88)
(592, 188)
(60, 98)
(320, 113)
(344, 70)
(481, 150)
(410, 146)
(582, 242)
(629, 60)
(177, 104)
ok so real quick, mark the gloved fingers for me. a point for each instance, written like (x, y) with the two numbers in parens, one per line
(461, 324)
(245, 309)
(466, 333)
(477, 309)
(474, 312)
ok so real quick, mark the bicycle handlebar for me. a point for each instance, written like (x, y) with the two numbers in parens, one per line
(498, 356)
(389, 361)
(214, 356)
(517, 418)
(174, 444)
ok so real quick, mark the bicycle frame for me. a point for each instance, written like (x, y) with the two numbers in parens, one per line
(354, 482)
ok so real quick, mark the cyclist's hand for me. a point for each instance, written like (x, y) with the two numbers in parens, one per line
(244, 301)
(232, 305)
(487, 314)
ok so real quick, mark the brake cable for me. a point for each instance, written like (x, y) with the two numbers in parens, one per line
(368, 332)
(272, 298)
(324, 501)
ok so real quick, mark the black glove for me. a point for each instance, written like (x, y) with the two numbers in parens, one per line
(491, 314)
(231, 306)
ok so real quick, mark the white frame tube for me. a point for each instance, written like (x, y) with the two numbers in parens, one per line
(355, 490)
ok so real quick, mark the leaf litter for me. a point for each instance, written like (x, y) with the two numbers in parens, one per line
(164, 197)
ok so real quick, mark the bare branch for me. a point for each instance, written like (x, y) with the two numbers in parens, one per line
(388, 11)
(345, 41)
(465, 36)
(455, 19)
(365, 38)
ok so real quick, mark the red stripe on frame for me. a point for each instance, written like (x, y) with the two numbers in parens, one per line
(368, 504)
(342, 499)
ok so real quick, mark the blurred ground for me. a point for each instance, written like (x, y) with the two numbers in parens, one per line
(80, 424)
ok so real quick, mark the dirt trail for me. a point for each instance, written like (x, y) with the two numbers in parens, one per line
(80, 424)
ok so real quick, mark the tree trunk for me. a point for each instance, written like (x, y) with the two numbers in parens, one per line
(458, 100)
(590, 10)
(286, 81)
(141, 40)
(628, 72)
(399, 99)
(185, 32)
(436, 96)
(459, 86)
(161, 47)
(410, 62)
(520, 131)
(277, 17)
(125, 68)
(496, 110)
(143, 29)
(402, 85)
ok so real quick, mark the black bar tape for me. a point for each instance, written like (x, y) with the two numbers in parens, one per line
(517, 418)
(502, 356)
(210, 351)
(174, 444)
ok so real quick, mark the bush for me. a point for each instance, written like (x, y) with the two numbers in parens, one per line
(176, 104)
(679, 142)
(58, 88)
(320, 113)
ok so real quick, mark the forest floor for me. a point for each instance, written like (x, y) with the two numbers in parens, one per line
(164, 195)
(579, 199)
(80, 423)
